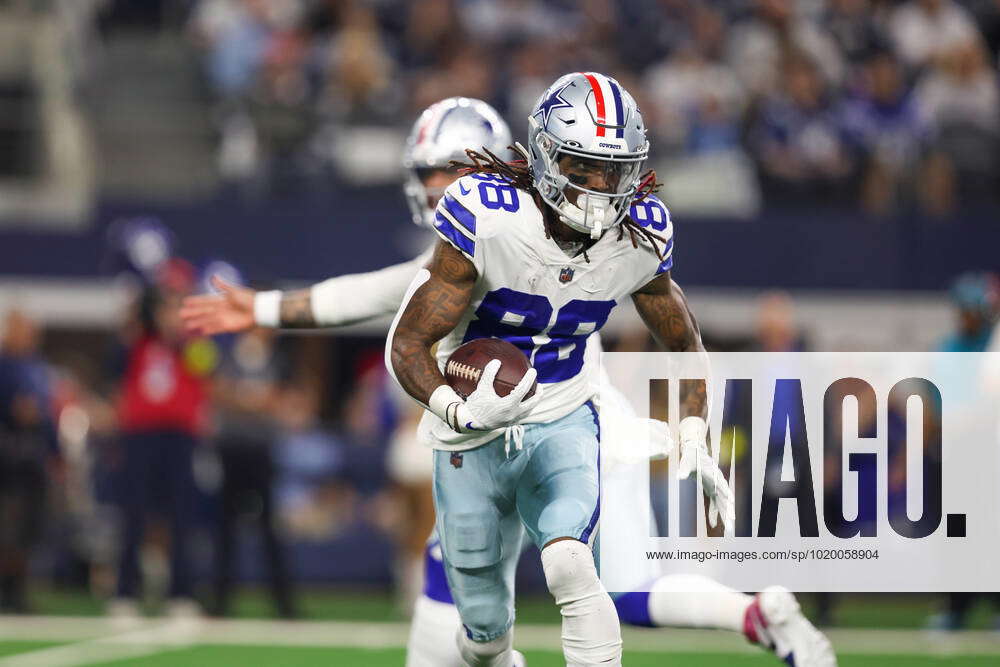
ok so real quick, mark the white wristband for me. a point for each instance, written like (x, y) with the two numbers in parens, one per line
(693, 429)
(316, 302)
(267, 308)
(449, 407)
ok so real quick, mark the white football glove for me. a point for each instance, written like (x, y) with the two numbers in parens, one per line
(695, 456)
(484, 410)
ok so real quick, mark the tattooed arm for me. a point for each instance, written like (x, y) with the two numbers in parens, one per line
(432, 311)
(296, 309)
(235, 308)
(335, 302)
(664, 308)
(433, 305)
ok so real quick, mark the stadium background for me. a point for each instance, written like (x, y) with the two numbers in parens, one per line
(832, 168)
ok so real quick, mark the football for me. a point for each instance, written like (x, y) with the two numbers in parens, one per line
(466, 364)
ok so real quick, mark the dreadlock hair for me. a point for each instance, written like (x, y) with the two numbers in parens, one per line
(518, 173)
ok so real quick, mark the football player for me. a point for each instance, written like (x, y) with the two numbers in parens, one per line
(538, 254)
(440, 135)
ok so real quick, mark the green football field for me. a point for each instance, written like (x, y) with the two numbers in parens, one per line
(302, 657)
(34, 653)
(896, 611)
(46, 641)
(363, 628)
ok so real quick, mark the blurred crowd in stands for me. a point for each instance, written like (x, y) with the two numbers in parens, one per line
(893, 105)
(888, 106)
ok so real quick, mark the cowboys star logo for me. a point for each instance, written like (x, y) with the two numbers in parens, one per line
(551, 103)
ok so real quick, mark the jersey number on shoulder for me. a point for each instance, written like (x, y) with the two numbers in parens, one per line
(650, 213)
(519, 318)
(496, 193)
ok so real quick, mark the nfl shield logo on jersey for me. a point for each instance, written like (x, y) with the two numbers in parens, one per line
(566, 275)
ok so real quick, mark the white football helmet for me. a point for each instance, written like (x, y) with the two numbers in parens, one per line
(588, 116)
(441, 134)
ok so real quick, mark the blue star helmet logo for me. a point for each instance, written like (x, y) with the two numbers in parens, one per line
(551, 103)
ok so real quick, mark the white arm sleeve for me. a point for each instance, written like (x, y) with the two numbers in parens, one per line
(358, 297)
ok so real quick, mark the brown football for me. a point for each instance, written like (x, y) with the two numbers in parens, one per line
(466, 364)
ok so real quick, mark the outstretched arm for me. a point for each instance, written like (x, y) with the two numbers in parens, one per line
(335, 302)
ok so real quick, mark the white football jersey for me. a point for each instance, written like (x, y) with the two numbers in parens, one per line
(530, 293)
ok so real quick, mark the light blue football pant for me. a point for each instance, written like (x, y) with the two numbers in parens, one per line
(487, 497)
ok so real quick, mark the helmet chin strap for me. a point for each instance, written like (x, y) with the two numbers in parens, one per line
(598, 210)
(596, 231)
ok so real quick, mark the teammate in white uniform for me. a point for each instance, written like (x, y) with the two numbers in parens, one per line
(438, 136)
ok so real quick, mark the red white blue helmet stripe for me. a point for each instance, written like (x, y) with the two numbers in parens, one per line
(608, 104)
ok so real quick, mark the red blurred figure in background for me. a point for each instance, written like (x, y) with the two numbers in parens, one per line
(163, 405)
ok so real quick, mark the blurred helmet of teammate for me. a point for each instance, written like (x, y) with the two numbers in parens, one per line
(587, 117)
(442, 134)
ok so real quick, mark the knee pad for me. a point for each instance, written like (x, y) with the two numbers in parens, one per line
(484, 616)
(570, 572)
(494, 653)
(564, 515)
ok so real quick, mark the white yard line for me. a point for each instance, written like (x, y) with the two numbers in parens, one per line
(149, 639)
(97, 640)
